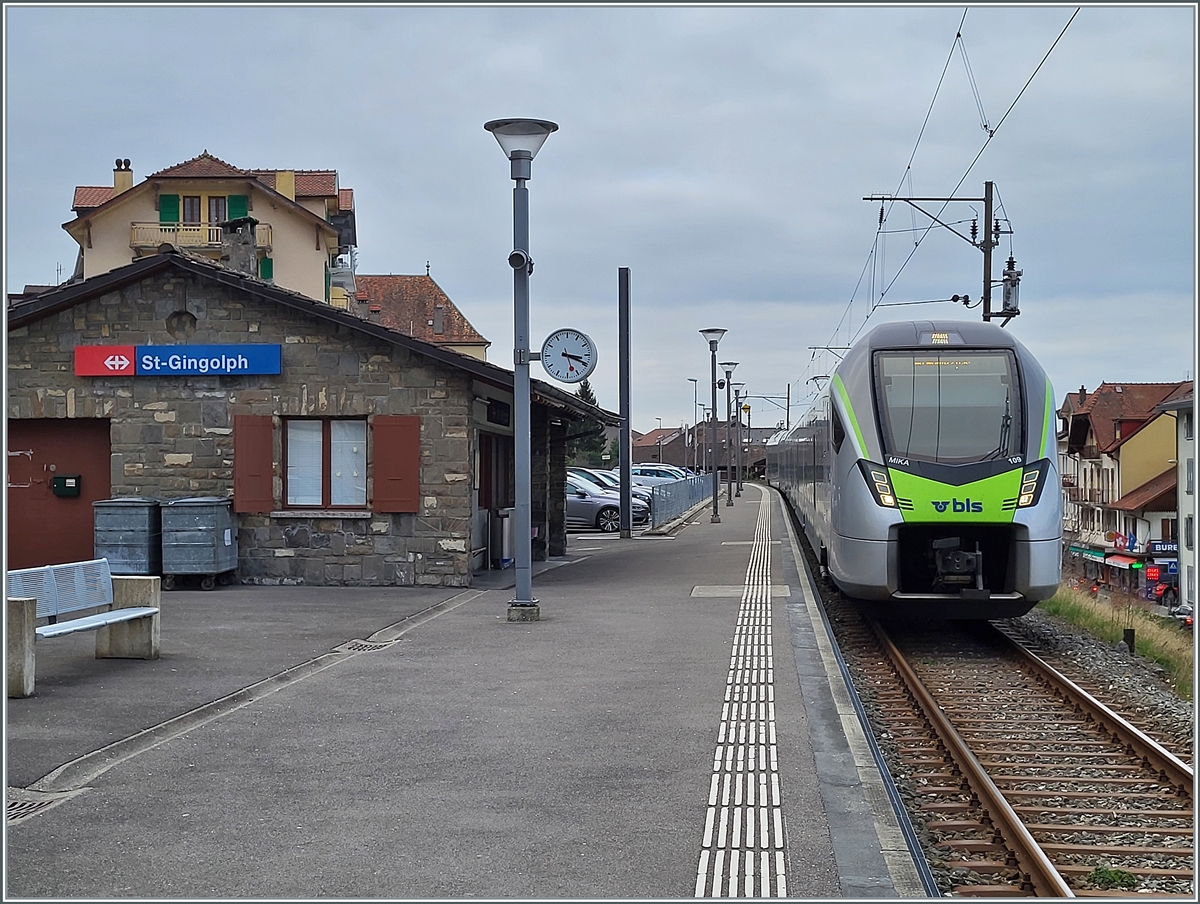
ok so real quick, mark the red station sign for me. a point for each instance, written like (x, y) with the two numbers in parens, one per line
(105, 360)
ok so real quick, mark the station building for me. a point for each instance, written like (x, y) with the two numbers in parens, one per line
(353, 452)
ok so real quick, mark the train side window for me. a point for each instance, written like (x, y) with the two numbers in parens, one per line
(839, 432)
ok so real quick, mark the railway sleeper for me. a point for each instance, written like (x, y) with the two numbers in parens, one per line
(992, 891)
(1076, 829)
(1126, 850)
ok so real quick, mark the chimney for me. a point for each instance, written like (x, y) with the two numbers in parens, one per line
(374, 312)
(239, 246)
(1082, 394)
(285, 183)
(122, 176)
(439, 324)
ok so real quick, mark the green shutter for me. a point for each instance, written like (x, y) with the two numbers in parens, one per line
(266, 268)
(168, 208)
(328, 281)
(239, 206)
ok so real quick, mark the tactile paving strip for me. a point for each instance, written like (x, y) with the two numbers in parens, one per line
(742, 853)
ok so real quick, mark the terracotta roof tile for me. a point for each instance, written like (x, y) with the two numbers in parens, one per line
(309, 183)
(1138, 499)
(204, 165)
(345, 199)
(1132, 404)
(89, 196)
(407, 304)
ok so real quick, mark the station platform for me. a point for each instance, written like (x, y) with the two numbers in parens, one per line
(674, 726)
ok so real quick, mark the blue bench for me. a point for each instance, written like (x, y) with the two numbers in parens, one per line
(123, 610)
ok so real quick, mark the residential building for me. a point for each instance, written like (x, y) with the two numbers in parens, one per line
(295, 227)
(1117, 456)
(1183, 549)
(662, 444)
(417, 307)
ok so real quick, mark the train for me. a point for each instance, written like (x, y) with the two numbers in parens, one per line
(925, 475)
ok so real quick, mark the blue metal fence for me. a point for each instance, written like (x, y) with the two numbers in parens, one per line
(673, 499)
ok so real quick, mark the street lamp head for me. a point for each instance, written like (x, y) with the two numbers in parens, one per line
(713, 336)
(521, 136)
(728, 367)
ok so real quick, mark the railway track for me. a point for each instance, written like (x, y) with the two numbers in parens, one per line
(1018, 780)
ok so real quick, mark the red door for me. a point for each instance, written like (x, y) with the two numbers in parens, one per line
(45, 529)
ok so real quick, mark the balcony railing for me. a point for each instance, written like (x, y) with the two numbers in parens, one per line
(1086, 495)
(148, 236)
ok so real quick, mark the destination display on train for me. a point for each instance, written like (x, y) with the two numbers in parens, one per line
(175, 360)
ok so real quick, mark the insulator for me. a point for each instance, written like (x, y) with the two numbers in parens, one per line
(880, 214)
(974, 230)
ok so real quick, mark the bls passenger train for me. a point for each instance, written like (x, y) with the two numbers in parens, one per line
(925, 474)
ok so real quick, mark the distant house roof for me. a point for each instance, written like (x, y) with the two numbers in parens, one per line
(202, 166)
(1127, 404)
(70, 294)
(309, 183)
(345, 199)
(409, 304)
(88, 197)
(666, 434)
(1156, 495)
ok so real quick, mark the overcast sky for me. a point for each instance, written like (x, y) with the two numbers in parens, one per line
(721, 153)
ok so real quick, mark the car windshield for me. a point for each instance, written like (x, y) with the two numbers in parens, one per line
(949, 407)
(603, 479)
(576, 482)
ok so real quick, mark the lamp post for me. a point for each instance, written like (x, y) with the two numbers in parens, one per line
(659, 439)
(521, 139)
(737, 416)
(728, 367)
(695, 439)
(714, 336)
(707, 412)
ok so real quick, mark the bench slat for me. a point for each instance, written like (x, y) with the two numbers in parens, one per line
(99, 620)
(70, 587)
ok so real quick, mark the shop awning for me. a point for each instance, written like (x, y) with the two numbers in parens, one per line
(1119, 561)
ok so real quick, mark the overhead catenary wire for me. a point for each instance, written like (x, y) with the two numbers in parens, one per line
(873, 255)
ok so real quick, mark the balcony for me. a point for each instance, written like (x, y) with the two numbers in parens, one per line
(1089, 452)
(1086, 496)
(193, 236)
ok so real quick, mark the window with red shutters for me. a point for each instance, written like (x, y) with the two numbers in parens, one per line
(396, 463)
(253, 463)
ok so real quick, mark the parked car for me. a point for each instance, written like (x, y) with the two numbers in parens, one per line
(590, 505)
(648, 475)
(1184, 615)
(606, 480)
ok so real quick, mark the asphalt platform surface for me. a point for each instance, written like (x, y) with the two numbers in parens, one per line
(449, 753)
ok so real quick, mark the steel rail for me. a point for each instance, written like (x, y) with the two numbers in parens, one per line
(1043, 877)
(1171, 768)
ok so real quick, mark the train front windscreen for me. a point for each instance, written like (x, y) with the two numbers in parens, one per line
(949, 407)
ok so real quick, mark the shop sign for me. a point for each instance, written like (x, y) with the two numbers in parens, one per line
(1162, 547)
(175, 360)
(1152, 573)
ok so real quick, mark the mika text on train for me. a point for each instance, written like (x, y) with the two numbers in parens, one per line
(925, 476)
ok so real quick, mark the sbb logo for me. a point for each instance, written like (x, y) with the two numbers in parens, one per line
(958, 506)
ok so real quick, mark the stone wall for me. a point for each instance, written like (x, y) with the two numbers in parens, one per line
(172, 437)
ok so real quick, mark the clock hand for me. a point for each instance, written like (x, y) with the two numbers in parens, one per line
(573, 357)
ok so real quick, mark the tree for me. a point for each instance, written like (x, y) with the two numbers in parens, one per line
(587, 449)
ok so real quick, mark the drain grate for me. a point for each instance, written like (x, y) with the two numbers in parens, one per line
(363, 646)
(23, 803)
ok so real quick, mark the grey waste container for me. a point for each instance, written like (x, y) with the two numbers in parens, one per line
(198, 537)
(128, 532)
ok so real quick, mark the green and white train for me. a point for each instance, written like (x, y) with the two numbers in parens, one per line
(925, 473)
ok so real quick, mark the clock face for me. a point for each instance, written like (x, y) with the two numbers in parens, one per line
(568, 355)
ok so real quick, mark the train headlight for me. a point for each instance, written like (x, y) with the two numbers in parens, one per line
(1032, 480)
(880, 484)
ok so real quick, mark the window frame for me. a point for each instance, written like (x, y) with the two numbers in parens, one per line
(183, 209)
(326, 465)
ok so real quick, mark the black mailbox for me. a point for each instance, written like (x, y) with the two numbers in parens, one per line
(65, 484)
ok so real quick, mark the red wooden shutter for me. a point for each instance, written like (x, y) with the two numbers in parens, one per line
(396, 463)
(253, 463)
